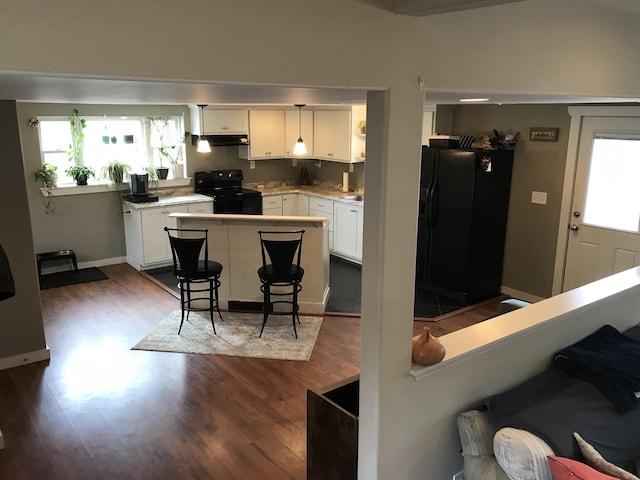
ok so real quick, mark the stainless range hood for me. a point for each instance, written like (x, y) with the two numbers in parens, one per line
(223, 140)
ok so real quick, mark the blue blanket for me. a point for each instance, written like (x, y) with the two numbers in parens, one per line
(610, 361)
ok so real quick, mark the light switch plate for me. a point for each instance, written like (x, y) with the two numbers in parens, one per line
(252, 164)
(539, 197)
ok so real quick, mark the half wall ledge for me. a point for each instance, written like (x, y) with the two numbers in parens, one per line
(499, 331)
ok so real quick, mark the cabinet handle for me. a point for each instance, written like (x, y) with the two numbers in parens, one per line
(128, 211)
(353, 211)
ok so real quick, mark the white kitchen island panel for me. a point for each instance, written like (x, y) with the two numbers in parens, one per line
(234, 242)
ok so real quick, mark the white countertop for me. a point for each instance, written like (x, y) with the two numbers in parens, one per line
(171, 200)
(317, 191)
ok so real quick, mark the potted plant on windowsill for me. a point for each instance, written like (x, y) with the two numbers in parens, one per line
(168, 145)
(80, 173)
(152, 171)
(115, 171)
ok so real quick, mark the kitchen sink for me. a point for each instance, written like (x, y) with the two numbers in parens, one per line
(357, 198)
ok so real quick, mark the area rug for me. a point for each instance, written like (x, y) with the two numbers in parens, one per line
(237, 336)
(70, 277)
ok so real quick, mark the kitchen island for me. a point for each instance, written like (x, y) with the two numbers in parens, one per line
(234, 242)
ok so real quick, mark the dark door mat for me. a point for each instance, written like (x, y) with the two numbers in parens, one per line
(165, 276)
(70, 277)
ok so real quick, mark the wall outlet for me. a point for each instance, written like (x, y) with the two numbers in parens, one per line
(252, 164)
(459, 476)
(539, 197)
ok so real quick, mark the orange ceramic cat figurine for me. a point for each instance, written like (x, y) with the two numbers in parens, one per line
(426, 349)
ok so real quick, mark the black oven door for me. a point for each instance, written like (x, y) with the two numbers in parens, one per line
(238, 204)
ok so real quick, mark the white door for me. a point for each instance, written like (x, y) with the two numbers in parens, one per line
(604, 233)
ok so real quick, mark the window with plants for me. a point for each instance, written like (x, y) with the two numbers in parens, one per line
(107, 148)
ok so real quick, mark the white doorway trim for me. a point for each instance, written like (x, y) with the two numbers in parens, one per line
(577, 115)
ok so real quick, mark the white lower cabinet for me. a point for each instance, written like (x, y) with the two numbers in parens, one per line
(290, 205)
(272, 205)
(321, 207)
(202, 207)
(347, 231)
(303, 205)
(146, 241)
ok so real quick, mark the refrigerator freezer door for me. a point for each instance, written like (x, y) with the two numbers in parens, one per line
(427, 178)
(453, 211)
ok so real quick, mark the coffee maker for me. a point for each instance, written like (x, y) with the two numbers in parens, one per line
(139, 187)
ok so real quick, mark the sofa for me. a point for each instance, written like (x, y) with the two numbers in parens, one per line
(562, 419)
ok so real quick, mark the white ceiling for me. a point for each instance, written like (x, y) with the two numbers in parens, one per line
(42, 88)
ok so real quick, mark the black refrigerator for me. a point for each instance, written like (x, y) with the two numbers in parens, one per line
(462, 217)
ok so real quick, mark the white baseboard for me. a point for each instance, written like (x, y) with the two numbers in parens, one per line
(25, 359)
(103, 263)
(520, 295)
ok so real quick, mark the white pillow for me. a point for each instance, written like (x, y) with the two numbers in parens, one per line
(522, 455)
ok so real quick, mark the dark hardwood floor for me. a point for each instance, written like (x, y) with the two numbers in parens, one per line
(99, 410)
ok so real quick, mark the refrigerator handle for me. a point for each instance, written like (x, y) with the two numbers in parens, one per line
(433, 204)
(423, 202)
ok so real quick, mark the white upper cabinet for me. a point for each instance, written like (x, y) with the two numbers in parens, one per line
(332, 139)
(294, 123)
(266, 135)
(219, 121)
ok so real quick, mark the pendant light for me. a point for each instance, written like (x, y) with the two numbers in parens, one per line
(300, 148)
(203, 143)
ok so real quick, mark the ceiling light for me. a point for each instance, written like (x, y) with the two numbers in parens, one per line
(203, 143)
(474, 99)
(300, 148)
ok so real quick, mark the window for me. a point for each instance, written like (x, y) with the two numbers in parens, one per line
(135, 141)
(613, 197)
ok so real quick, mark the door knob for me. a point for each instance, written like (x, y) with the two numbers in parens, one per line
(574, 228)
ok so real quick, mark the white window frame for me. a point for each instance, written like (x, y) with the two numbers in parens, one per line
(98, 185)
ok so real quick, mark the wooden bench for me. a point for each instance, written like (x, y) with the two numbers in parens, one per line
(60, 254)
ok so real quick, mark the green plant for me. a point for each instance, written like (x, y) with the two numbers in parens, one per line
(80, 173)
(48, 174)
(153, 174)
(168, 145)
(77, 126)
(115, 172)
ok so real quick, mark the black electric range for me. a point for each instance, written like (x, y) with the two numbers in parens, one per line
(229, 196)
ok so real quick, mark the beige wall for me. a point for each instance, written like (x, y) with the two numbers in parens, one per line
(532, 229)
(272, 170)
(91, 224)
(21, 330)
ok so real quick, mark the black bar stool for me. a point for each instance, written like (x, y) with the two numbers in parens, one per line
(281, 252)
(190, 271)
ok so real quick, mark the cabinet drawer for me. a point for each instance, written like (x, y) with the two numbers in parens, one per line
(321, 204)
(201, 207)
(274, 201)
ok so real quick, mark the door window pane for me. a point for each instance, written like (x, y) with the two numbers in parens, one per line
(613, 196)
